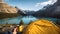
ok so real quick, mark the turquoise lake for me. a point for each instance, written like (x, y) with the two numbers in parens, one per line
(26, 20)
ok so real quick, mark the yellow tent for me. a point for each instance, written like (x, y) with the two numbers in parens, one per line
(21, 28)
(42, 27)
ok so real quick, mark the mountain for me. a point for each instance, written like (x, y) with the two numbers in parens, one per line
(7, 11)
(5, 8)
(26, 12)
(49, 11)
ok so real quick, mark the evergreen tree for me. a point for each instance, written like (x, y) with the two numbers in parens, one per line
(6, 23)
(21, 22)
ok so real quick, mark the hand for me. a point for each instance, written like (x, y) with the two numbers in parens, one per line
(15, 31)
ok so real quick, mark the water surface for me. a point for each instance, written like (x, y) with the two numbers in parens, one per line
(25, 19)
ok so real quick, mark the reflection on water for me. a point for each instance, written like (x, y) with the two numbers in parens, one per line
(16, 20)
(26, 19)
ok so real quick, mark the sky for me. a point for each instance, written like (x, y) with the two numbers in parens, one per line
(30, 4)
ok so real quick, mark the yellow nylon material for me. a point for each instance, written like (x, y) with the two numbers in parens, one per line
(42, 27)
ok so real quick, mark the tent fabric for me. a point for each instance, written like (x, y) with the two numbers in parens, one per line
(42, 27)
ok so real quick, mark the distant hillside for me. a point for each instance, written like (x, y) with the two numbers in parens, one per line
(50, 11)
(7, 11)
(5, 8)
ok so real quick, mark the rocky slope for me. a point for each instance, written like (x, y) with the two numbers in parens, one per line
(7, 11)
(5, 8)
(50, 11)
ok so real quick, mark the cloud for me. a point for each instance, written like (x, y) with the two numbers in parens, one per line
(42, 4)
